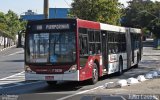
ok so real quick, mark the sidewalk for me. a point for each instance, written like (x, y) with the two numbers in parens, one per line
(2, 47)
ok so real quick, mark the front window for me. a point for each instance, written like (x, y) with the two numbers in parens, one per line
(51, 48)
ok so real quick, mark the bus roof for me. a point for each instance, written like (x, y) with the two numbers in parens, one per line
(135, 30)
(114, 28)
(89, 24)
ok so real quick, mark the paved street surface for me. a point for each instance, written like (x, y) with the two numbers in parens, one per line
(1, 47)
(39, 90)
(11, 62)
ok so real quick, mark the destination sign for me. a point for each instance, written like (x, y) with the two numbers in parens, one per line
(58, 26)
(52, 27)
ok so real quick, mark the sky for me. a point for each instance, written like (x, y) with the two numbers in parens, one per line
(21, 6)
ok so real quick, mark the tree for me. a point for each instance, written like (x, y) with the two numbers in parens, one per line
(10, 24)
(13, 23)
(106, 11)
(133, 13)
(3, 26)
(143, 14)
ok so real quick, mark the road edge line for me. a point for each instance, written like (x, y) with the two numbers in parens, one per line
(14, 53)
(11, 76)
(69, 96)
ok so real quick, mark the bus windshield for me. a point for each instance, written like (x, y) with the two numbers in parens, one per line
(51, 48)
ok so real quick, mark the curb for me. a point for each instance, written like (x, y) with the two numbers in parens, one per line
(7, 48)
(130, 81)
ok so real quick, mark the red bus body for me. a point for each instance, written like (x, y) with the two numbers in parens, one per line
(54, 72)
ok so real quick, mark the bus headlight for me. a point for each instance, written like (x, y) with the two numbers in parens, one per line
(27, 69)
(72, 69)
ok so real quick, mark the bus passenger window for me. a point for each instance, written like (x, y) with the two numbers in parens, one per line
(83, 45)
(92, 48)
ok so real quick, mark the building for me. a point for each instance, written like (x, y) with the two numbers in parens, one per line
(30, 15)
(53, 13)
(58, 12)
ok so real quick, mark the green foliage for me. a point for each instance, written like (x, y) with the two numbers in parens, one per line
(143, 14)
(106, 11)
(10, 24)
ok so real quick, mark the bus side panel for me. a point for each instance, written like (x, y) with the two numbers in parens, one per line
(128, 45)
(124, 57)
(113, 63)
(86, 71)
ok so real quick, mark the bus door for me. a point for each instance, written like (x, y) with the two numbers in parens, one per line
(140, 46)
(132, 46)
(128, 47)
(104, 50)
(83, 40)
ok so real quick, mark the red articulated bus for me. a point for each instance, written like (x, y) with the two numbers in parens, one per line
(78, 50)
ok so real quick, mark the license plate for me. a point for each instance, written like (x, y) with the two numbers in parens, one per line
(49, 77)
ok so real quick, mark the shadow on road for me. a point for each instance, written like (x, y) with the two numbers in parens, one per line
(13, 61)
(66, 87)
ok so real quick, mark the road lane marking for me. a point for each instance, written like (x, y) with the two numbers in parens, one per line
(13, 79)
(69, 96)
(14, 53)
(11, 76)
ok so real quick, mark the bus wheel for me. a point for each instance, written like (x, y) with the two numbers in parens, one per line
(120, 67)
(51, 83)
(94, 79)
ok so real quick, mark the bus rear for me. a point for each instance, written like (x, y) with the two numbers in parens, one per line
(50, 50)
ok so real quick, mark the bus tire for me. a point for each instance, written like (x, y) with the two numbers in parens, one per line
(51, 83)
(120, 72)
(94, 78)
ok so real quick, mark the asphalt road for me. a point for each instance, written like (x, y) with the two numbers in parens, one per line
(65, 90)
(11, 61)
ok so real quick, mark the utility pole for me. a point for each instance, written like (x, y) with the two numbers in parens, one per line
(46, 7)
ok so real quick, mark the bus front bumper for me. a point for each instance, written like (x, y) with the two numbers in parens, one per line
(53, 77)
